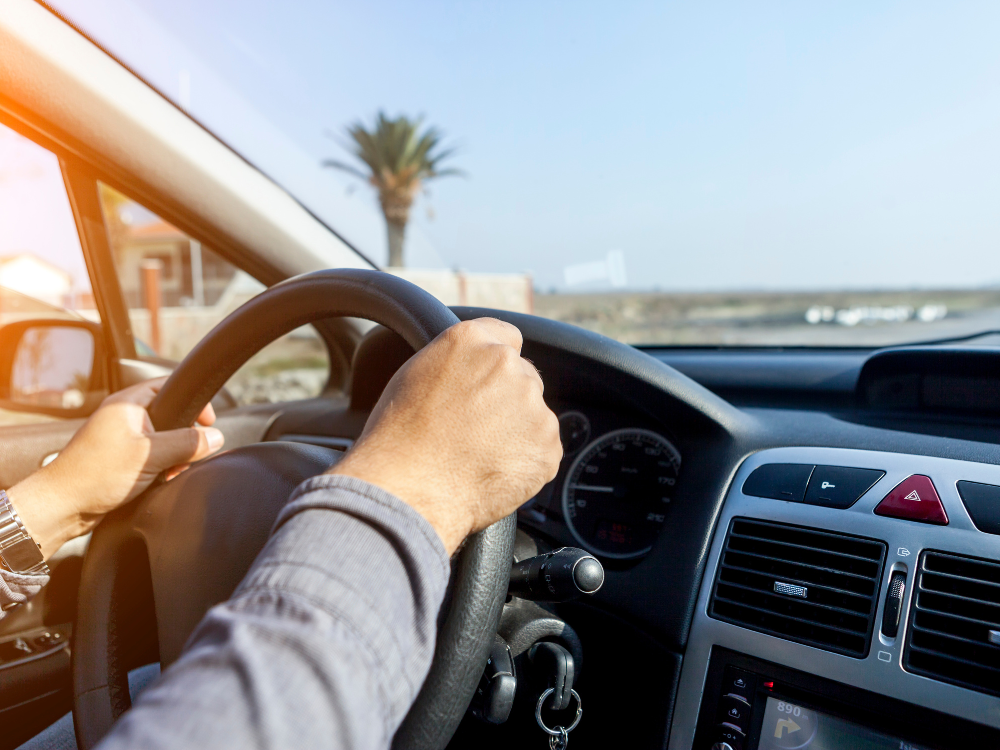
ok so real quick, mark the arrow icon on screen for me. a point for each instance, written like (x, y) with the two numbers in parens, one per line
(784, 724)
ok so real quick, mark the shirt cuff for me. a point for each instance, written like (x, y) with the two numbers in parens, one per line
(17, 588)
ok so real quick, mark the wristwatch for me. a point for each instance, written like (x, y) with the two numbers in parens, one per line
(18, 551)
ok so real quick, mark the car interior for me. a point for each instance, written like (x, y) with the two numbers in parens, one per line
(744, 548)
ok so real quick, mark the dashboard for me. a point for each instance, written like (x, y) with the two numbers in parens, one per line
(816, 563)
(862, 604)
(821, 528)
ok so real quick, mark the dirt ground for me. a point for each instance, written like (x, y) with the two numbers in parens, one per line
(295, 366)
(857, 318)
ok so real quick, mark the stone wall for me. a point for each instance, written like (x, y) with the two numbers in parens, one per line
(511, 291)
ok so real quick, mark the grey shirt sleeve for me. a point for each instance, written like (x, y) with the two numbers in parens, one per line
(324, 644)
(16, 588)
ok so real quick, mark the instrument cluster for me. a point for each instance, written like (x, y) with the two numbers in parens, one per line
(614, 490)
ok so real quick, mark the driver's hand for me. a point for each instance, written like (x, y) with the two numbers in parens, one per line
(110, 460)
(461, 432)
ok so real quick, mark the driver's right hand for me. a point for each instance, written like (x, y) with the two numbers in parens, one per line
(461, 432)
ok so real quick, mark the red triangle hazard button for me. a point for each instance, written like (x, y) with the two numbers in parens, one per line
(914, 499)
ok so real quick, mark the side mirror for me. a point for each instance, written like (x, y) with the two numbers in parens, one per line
(54, 367)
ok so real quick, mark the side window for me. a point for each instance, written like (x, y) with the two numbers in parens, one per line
(51, 360)
(177, 290)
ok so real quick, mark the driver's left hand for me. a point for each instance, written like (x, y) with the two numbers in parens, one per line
(110, 460)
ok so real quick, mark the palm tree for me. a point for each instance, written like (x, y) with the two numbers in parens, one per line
(399, 159)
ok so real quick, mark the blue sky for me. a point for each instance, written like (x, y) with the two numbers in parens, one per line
(35, 215)
(719, 145)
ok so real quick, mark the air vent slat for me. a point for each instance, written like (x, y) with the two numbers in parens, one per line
(978, 651)
(804, 566)
(801, 553)
(955, 621)
(802, 581)
(809, 633)
(921, 612)
(806, 585)
(958, 598)
(972, 568)
(834, 542)
(779, 607)
(991, 584)
(962, 588)
(943, 656)
(937, 601)
(793, 545)
(928, 663)
(818, 596)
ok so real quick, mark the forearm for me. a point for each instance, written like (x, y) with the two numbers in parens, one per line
(48, 508)
(324, 644)
(112, 459)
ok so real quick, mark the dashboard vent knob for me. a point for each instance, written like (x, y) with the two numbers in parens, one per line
(893, 604)
(954, 631)
(805, 585)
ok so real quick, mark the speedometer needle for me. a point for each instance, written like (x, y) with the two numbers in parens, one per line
(591, 488)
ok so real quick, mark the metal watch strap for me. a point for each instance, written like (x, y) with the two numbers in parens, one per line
(18, 551)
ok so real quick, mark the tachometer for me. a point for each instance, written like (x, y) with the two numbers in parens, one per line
(618, 492)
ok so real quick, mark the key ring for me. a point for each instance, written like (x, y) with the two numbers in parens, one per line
(560, 732)
(560, 741)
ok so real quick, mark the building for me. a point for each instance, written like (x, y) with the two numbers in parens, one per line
(190, 275)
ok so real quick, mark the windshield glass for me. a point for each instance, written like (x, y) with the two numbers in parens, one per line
(739, 173)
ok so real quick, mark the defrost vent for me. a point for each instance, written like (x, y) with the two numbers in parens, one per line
(954, 632)
(806, 585)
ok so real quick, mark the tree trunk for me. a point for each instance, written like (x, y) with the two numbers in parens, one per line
(397, 233)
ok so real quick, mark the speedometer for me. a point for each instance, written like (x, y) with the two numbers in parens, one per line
(618, 491)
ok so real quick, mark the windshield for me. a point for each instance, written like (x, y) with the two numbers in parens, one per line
(701, 174)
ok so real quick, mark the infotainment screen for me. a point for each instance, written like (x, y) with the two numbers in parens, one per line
(788, 726)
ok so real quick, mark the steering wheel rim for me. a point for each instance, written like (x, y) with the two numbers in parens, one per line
(101, 638)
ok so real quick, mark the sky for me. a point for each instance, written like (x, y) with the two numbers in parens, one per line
(740, 145)
(35, 215)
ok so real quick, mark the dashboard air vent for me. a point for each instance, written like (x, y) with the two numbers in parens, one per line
(954, 632)
(806, 585)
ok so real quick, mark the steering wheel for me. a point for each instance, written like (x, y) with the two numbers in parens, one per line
(155, 566)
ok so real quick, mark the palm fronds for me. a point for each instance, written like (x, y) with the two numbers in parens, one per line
(399, 159)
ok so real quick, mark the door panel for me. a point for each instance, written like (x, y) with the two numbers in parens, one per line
(24, 447)
(43, 276)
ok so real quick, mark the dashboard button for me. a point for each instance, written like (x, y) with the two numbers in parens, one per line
(726, 732)
(840, 486)
(737, 682)
(779, 481)
(983, 503)
(735, 710)
(914, 499)
(15, 649)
